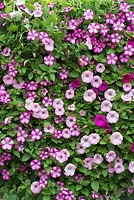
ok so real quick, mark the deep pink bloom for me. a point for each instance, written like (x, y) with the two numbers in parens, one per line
(132, 147)
(107, 127)
(75, 83)
(131, 42)
(126, 78)
(103, 86)
(100, 120)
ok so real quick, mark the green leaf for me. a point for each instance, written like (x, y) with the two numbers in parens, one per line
(46, 198)
(95, 185)
(78, 187)
(43, 67)
(30, 75)
(13, 28)
(52, 77)
(16, 153)
(26, 157)
(74, 74)
(30, 6)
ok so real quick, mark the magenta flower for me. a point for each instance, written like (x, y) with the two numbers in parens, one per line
(88, 14)
(55, 172)
(49, 60)
(126, 78)
(83, 61)
(100, 120)
(103, 86)
(111, 59)
(132, 147)
(75, 83)
(32, 35)
(1, 5)
(131, 42)
(93, 28)
(35, 164)
(7, 143)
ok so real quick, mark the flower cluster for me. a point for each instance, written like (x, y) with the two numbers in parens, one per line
(66, 99)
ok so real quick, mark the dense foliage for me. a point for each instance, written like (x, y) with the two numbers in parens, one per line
(66, 100)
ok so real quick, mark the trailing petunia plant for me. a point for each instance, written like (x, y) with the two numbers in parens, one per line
(66, 100)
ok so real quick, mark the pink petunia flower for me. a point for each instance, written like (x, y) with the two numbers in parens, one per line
(96, 81)
(8, 80)
(32, 35)
(35, 187)
(35, 164)
(89, 96)
(88, 14)
(110, 156)
(100, 120)
(116, 138)
(49, 46)
(55, 172)
(131, 167)
(100, 68)
(112, 117)
(111, 59)
(69, 170)
(49, 60)
(7, 143)
(94, 138)
(106, 106)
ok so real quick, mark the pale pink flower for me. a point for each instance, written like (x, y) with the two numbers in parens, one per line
(7, 79)
(89, 95)
(6, 51)
(49, 129)
(89, 44)
(106, 106)
(110, 156)
(131, 167)
(94, 138)
(116, 138)
(43, 113)
(127, 87)
(80, 149)
(35, 187)
(85, 141)
(126, 97)
(88, 163)
(98, 158)
(82, 113)
(70, 121)
(37, 13)
(49, 46)
(112, 117)
(87, 76)
(61, 157)
(71, 107)
(100, 68)
(58, 103)
(66, 133)
(69, 170)
(59, 111)
(109, 94)
(35, 107)
(119, 168)
(66, 152)
(110, 168)
(69, 94)
(96, 81)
